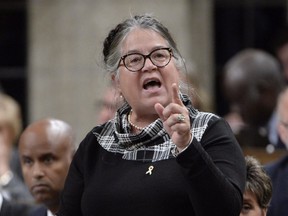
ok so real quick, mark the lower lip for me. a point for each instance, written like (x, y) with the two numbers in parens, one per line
(40, 188)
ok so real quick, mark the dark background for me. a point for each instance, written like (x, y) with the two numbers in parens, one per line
(238, 24)
(13, 51)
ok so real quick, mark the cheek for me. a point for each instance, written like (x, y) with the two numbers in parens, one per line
(127, 81)
(171, 75)
(27, 175)
(60, 171)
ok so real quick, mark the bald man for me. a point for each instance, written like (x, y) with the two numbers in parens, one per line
(46, 148)
(252, 82)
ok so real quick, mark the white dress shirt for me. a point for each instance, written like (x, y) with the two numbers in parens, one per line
(49, 213)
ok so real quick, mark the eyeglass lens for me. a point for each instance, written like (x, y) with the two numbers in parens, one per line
(136, 61)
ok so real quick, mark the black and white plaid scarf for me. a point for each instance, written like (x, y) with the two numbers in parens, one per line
(153, 143)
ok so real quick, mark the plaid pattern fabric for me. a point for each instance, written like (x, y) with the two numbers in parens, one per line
(153, 143)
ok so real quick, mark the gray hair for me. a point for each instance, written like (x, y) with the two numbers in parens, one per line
(113, 42)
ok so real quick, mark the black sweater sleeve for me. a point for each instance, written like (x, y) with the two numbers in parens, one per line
(215, 168)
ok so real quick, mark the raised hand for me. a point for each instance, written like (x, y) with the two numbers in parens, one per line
(176, 121)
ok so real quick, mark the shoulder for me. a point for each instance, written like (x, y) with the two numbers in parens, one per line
(210, 125)
(104, 128)
(93, 137)
(202, 118)
(274, 167)
(98, 130)
(14, 208)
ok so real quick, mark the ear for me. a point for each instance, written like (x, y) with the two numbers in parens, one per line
(115, 82)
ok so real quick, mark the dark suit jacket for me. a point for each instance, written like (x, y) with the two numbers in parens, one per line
(14, 209)
(278, 172)
(40, 211)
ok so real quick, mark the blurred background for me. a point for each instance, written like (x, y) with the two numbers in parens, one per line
(51, 50)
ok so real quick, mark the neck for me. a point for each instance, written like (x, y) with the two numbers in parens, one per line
(132, 124)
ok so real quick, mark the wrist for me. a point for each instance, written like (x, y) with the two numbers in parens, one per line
(178, 150)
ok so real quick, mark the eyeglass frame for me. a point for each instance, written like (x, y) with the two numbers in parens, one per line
(145, 57)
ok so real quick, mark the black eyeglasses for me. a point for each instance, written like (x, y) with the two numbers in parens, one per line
(135, 61)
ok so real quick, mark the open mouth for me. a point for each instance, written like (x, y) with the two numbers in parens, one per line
(151, 84)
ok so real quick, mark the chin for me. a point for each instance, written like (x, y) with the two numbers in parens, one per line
(163, 101)
(40, 199)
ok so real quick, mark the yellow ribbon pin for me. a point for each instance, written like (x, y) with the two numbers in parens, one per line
(149, 171)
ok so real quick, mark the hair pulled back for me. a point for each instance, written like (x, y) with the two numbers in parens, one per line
(112, 44)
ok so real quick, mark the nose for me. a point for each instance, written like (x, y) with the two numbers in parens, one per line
(37, 171)
(148, 65)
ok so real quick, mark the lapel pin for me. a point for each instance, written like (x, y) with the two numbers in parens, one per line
(149, 171)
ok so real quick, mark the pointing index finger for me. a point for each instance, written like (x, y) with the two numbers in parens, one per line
(175, 94)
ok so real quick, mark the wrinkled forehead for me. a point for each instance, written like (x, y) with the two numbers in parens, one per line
(142, 40)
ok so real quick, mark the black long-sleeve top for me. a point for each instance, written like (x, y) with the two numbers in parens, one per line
(207, 178)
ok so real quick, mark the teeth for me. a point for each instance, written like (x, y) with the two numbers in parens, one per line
(152, 80)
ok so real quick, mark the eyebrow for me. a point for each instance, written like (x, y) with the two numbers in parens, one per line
(41, 157)
(139, 52)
